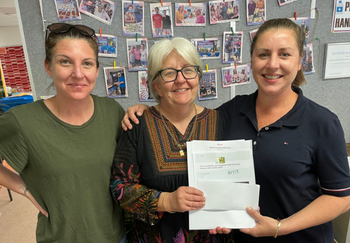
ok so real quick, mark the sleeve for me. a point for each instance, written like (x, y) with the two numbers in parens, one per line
(331, 160)
(12, 143)
(126, 181)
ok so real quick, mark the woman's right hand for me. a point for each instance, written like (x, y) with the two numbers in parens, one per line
(28, 195)
(184, 199)
(130, 114)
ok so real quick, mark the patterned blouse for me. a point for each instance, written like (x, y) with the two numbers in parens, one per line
(147, 162)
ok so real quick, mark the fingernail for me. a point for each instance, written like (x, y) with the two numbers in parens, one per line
(249, 208)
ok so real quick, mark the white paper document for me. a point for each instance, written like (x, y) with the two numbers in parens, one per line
(224, 171)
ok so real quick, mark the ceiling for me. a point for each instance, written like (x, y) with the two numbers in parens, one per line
(8, 16)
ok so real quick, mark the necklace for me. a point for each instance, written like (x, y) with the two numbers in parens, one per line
(179, 145)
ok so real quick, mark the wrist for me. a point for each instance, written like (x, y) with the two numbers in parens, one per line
(278, 227)
(165, 203)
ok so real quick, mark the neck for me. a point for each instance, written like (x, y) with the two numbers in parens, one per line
(74, 112)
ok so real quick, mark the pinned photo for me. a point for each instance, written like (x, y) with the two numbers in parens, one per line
(308, 60)
(144, 90)
(107, 45)
(232, 45)
(190, 14)
(208, 86)
(304, 23)
(235, 76)
(102, 10)
(284, 2)
(133, 17)
(209, 48)
(223, 11)
(161, 20)
(256, 12)
(67, 10)
(115, 82)
(137, 54)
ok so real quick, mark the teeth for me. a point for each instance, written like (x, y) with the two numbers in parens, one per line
(179, 90)
(271, 77)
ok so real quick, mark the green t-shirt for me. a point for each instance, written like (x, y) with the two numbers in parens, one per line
(67, 169)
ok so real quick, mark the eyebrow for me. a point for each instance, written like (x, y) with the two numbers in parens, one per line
(58, 55)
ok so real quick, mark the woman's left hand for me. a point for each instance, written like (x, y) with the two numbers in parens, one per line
(265, 226)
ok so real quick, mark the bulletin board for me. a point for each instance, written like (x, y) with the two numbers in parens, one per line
(333, 94)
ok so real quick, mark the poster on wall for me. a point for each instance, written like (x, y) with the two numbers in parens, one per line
(190, 14)
(133, 17)
(223, 11)
(235, 75)
(161, 19)
(341, 16)
(208, 85)
(256, 12)
(232, 45)
(115, 81)
(107, 45)
(67, 10)
(102, 10)
(137, 54)
(337, 60)
(209, 48)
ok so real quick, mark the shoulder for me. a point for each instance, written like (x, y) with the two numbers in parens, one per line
(108, 104)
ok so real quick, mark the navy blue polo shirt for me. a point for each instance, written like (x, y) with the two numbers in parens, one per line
(298, 158)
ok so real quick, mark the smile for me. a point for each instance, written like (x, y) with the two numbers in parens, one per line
(180, 90)
(272, 77)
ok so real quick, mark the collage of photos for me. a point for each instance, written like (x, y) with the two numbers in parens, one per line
(137, 54)
(107, 45)
(235, 76)
(209, 48)
(144, 91)
(308, 61)
(208, 86)
(232, 45)
(161, 20)
(304, 23)
(133, 17)
(67, 10)
(115, 82)
(256, 12)
(224, 11)
(102, 10)
(190, 14)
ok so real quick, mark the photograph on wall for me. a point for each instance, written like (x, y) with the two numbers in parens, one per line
(209, 48)
(190, 14)
(115, 81)
(256, 12)
(208, 85)
(232, 45)
(235, 75)
(223, 11)
(102, 10)
(341, 16)
(284, 2)
(137, 54)
(67, 10)
(107, 45)
(161, 20)
(252, 33)
(304, 23)
(133, 17)
(308, 60)
(144, 90)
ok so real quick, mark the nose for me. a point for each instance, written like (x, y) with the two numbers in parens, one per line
(180, 77)
(273, 62)
(78, 71)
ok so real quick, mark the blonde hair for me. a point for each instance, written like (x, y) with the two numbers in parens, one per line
(161, 50)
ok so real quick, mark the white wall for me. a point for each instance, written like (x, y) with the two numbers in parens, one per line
(10, 36)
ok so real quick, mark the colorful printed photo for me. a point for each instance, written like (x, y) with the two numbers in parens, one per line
(144, 91)
(304, 23)
(209, 48)
(232, 45)
(308, 60)
(284, 2)
(115, 80)
(107, 46)
(133, 17)
(235, 75)
(208, 86)
(223, 11)
(256, 12)
(67, 10)
(194, 15)
(102, 10)
(161, 20)
(137, 54)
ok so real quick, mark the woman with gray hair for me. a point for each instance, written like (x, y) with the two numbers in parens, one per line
(149, 174)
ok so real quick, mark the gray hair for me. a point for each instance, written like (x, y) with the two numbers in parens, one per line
(161, 50)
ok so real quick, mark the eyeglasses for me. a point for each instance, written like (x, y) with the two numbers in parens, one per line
(61, 28)
(170, 74)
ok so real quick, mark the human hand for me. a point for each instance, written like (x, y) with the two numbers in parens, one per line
(28, 195)
(130, 114)
(184, 199)
(219, 230)
(265, 226)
